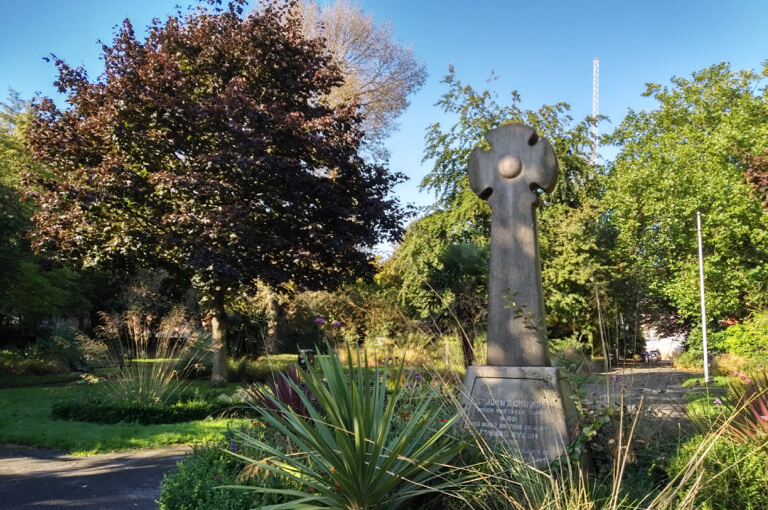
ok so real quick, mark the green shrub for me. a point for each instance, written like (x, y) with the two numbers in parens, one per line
(116, 411)
(10, 380)
(716, 340)
(247, 370)
(734, 474)
(204, 480)
(194, 483)
(15, 362)
(238, 369)
(58, 352)
(690, 360)
(747, 339)
(62, 344)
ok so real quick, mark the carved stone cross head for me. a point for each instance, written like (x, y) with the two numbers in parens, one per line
(518, 157)
(507, 176)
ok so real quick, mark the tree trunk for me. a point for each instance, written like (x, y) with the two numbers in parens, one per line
(273, 325)
(190, 302)
(218, 340)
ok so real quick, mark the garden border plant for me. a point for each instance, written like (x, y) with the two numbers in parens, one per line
(105, 412)
(351, 454)
(177, 348)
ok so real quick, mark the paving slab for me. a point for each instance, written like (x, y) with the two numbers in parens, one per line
(656, 387)
(34, 479)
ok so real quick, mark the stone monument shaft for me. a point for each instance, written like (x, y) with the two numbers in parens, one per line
(506, 177)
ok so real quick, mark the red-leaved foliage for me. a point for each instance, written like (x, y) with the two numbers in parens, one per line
(280, 389)
(757, 174)
(748, 399)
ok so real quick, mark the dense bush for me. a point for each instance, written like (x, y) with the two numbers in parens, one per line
(247, 370)
(15, 362)
(62, 344)
(748, 339)
(196, 483)
(193, 485)
(57, 352)
(690, 360)
(716, 340)
(360, 312)
(108, 412)
(734, 474)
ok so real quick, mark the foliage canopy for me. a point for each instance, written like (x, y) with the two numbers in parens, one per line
(568, 215)
(685, 155)
(206, 150)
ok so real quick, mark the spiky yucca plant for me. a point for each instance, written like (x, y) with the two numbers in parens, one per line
(349, 454)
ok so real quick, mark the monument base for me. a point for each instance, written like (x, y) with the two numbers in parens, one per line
(526, 407)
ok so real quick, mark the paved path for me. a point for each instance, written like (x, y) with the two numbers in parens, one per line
(658, 387)
(44, 479)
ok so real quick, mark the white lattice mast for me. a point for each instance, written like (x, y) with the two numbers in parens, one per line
(595, 105)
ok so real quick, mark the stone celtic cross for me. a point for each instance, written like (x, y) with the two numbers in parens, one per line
(518, 163)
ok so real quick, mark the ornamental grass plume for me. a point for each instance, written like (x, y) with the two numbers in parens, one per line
(154, 366)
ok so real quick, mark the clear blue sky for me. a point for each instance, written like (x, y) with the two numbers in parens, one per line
(543, 49)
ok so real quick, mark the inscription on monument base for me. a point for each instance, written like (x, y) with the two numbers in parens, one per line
(522, 406)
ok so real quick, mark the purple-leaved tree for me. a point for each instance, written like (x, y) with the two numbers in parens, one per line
(205, 150)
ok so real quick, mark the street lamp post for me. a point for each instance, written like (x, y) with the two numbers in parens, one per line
(703, 307)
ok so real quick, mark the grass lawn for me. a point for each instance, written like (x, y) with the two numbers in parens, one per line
(26, 401)
(704, 404)
(25, 419)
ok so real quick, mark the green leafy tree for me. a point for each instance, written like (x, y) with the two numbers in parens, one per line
(205, 150)
(757, 175)
(31, 287)
(457, 290)
(423, 241)
(682, 156)
(568, 215)
(571, 261)
(14, 215)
